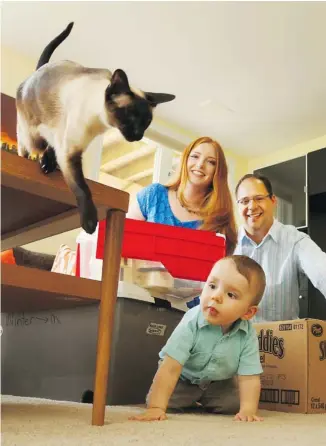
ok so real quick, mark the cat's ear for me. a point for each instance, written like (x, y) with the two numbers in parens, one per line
(159, 98)
(119, 83)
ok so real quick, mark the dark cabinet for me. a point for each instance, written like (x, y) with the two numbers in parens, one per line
(300, 185)
(317, 172)
(316, 162)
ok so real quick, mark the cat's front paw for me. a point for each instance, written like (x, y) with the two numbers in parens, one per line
(48, 161)
(89, 219)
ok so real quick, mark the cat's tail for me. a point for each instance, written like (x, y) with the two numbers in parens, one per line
(49, 49)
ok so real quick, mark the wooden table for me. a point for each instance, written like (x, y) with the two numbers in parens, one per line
(35, 206)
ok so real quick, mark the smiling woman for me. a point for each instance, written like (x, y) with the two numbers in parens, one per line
(198, 197)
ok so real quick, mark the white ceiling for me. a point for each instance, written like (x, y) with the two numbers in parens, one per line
(250, 74)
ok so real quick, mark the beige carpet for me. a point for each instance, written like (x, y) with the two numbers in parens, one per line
(37, 422)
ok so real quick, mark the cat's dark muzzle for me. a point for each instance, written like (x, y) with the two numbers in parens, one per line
(134, 137)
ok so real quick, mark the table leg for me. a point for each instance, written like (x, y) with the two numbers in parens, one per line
(110, 278)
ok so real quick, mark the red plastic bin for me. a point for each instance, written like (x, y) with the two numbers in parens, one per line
(185, 253)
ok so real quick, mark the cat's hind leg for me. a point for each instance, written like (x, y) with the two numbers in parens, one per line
(29, 143)
(24, 140)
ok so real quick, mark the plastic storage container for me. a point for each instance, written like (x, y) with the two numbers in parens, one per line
(187, 256)
(51, 354)
(185, 253)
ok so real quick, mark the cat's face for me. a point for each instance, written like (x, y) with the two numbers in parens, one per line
(132, 117)
(131, 110)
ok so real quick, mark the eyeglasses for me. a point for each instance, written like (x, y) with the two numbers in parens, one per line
(257, 198)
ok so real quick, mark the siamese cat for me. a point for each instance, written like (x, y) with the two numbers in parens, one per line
(63, 106)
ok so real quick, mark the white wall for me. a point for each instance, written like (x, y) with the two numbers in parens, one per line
(14, 69)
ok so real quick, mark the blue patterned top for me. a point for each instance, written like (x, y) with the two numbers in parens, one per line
(154, 205)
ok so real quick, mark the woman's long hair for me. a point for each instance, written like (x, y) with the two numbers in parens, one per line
(217, 207)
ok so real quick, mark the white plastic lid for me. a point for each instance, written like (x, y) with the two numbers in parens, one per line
(132, 291)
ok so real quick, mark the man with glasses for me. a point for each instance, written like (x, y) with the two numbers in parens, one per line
(282, 251)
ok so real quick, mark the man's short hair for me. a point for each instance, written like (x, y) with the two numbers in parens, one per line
(256, 176)
(253, 272)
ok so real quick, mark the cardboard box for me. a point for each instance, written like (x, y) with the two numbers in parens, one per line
(293, 356)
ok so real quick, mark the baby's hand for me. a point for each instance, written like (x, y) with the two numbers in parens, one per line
(154, 414)
(243, 416)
